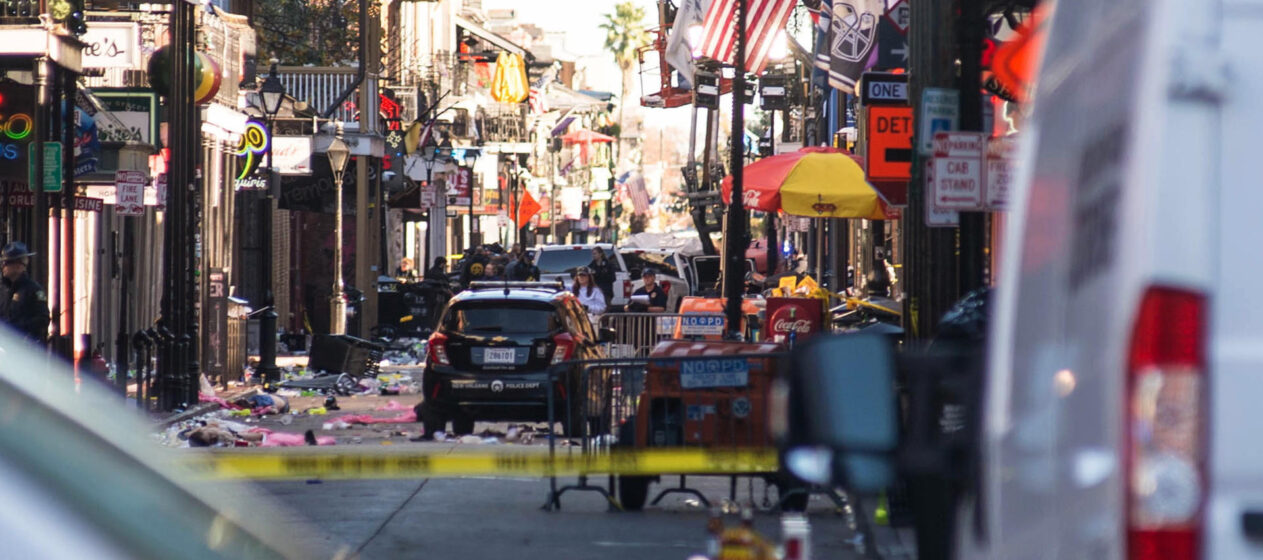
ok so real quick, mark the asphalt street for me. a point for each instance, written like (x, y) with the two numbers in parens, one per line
(485, 517)
(502, 518)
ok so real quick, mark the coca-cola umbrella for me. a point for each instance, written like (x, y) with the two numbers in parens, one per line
(585, 138)
(813, 182)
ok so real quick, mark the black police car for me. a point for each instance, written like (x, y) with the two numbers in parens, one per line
(490, 356)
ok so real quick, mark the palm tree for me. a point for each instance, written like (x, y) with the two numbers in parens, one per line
(624, 33)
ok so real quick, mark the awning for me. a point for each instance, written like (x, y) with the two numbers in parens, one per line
(486, 35)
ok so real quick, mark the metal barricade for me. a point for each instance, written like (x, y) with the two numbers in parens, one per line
(689, 395)
(635, 334)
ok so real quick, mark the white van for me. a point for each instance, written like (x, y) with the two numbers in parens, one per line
(1124, 396)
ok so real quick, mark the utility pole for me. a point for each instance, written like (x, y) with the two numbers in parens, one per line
(735, 230)
(929, 253)
(366, 271)
(973, 225)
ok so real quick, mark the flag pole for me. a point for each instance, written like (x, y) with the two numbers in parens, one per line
(735, 231)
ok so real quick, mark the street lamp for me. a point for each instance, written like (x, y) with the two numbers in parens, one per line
(338, 153)
(470, 157)
(272, 92)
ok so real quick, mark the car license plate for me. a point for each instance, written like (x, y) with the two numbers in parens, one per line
(499, 355)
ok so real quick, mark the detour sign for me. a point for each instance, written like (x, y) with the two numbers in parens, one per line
(889, 144)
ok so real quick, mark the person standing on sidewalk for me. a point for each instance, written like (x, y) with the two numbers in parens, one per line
(603, 272)
(23, 303)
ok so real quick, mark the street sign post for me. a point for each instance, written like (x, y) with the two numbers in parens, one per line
(52, 167)
(889, 156)
(940, 112)
(129, 193)
(999, 172)
(884, 88)
(936, 217)
(958, 161)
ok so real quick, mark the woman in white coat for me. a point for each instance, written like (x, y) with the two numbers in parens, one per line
(590, 296)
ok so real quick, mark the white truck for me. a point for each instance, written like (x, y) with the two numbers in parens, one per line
(1121, 391)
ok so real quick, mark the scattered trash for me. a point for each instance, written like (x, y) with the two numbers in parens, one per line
(470, 439)
(331, 403)
(287, 419)
(316, 411)
(335, 425)
(490, 441)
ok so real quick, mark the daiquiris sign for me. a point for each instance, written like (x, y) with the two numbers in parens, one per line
(250, 153)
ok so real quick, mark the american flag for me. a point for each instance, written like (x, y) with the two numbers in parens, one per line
(537, 99)
(764, 18)
(639, 195)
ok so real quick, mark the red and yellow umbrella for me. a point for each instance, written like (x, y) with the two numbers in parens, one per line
(813, 182)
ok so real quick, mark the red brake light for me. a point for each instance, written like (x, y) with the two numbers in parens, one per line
(437, 349)
(627, 289)
(564, 347)
(1166, 443)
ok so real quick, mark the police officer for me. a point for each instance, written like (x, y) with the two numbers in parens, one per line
(23, 303)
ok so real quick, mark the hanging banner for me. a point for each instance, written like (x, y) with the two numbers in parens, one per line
(291, 155)
(112, 44)
(852, 40)
(571, 199)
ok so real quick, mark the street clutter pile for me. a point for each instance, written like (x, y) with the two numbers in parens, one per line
(215, 430)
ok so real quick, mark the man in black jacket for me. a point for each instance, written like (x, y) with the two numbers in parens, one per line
(604, 272)
(524, 270)
(23, 303)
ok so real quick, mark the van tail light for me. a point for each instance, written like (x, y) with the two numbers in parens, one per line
(438, 349)
(627, 289)
(1167, 415)
(563, 347)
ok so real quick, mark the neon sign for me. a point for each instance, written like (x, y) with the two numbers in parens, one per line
(254, 143)
(15, 128)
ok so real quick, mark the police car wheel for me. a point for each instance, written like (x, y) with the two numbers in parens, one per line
(462, 425)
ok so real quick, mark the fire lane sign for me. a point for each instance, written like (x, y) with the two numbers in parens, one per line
(130, 193)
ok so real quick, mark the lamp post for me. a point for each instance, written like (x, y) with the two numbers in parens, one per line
(470, 157)
(272, 92)
(434, 215)
(338, 153)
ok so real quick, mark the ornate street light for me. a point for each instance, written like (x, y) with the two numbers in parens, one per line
(339, 154)
(272, 93)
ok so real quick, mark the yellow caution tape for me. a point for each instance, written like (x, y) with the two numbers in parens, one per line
(308, 463)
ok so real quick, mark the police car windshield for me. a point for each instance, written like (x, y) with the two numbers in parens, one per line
(500, 317)
(563, 261)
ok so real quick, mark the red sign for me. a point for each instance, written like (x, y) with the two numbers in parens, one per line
(889, 159)
(27, 200)
(801, 316)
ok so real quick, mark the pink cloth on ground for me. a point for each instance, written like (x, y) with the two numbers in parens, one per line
(284, 439)
(406, 417)
(203, 397)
